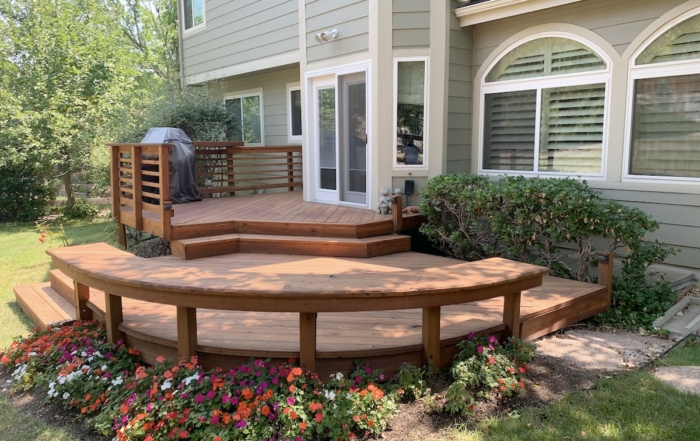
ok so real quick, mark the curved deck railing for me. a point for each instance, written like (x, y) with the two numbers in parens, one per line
(338, 286)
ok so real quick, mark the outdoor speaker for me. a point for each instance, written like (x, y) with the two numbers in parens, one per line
(410, 186)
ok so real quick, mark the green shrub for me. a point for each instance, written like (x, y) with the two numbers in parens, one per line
(198, 110)
(483, 367)
(544, 221)
(79, 210)
(25, 190)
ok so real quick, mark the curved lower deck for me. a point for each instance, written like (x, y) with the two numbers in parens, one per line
(383, 338)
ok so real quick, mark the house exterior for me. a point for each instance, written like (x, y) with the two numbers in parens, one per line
(380, 92)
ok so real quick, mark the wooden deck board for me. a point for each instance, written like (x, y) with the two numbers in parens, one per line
(273, 207)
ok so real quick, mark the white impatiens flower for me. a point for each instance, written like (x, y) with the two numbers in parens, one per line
(66, 395)
(348, 396)
(117, 381)
(83, 354)
(190, 379)
(330, 395)
(104, 368)
(166, 385)
(32, 354)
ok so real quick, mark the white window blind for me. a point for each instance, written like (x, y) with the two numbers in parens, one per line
(545, 57)
(666, 127)
(509, 130)
(681, 42)
(571, 133)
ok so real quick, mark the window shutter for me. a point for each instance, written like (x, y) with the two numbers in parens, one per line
(681, 42)
(509, 130)
(571, 133)
(666, 127)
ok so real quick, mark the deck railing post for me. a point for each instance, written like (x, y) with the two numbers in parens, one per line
(114, 316)
(166, 213)
(186, 332)
(138, 188)
(82, 295)
(431, 336)
(116, 193)
(307, 340)
(290, 170)
(511, 314)
(606, 265)
(397, 212)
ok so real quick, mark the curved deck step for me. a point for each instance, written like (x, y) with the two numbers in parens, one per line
(298, 245)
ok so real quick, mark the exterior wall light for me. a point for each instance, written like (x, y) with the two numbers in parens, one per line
(324, 37)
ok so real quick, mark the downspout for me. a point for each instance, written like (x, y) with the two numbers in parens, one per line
(179, 44)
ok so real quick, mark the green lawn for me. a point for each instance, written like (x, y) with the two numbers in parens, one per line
(629, 407)
(23, 261)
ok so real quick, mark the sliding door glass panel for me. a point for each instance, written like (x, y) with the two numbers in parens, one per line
(327, 138)
(357, 135)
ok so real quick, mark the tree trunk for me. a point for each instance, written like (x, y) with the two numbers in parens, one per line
(68, 186)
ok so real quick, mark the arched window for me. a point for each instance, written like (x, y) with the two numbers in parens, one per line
(665, 123)
(544, 105)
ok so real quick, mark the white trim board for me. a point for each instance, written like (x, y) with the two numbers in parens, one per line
(284, 59)
(497, 9)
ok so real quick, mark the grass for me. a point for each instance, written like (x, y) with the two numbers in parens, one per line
(23, 261)
(630, 407)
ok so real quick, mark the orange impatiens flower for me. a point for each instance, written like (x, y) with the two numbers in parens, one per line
(297, 371)
(160, 359)
(292, 388)
(265, 410)
(303, 425)
(293, 415)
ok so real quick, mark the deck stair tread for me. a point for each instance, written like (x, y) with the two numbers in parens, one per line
(301, 245)
(238, 332)
(44, 305)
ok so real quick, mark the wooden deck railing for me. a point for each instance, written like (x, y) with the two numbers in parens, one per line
(140, 180)
(140, 174)
(224, 168)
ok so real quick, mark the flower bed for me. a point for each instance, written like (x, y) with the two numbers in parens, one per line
(117, 395)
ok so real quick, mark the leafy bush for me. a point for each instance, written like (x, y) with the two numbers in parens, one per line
(411, 381)
(79, 210)
(197, 110)
(25, 190)
(484, 366)
(257, 400)
(543, 221)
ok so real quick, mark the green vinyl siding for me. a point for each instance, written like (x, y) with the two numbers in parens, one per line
(350, 18)
(459, 97)
(241, 31)
(275, 102)
(411, 23)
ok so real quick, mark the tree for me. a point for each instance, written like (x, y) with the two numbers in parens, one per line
(151, 28)
(69, 70)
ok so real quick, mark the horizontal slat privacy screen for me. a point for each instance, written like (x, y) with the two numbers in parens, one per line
(681, 42)
(509, 130)
(666, 127)
(545, 57)
(571, 139)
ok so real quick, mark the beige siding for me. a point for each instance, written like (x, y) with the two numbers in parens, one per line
(240, 31)
(350, 18)
(459, 98)
(679, 216)
(617, 21)
(411, 23)
(275, 102)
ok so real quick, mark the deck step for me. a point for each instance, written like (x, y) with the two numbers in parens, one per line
(301, 245)
(44, 305)
(63, 285)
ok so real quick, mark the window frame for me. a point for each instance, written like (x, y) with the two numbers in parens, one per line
(426, 114)
(603, 76)
(647, 71)
(186, 32)
(244, 94)
(291, 137)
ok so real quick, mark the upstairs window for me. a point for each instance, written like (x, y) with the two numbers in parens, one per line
(545, 110)
(194, 13)
(665, 130)
(247, 108)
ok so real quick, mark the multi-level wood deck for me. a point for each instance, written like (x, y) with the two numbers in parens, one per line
(269, 275)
